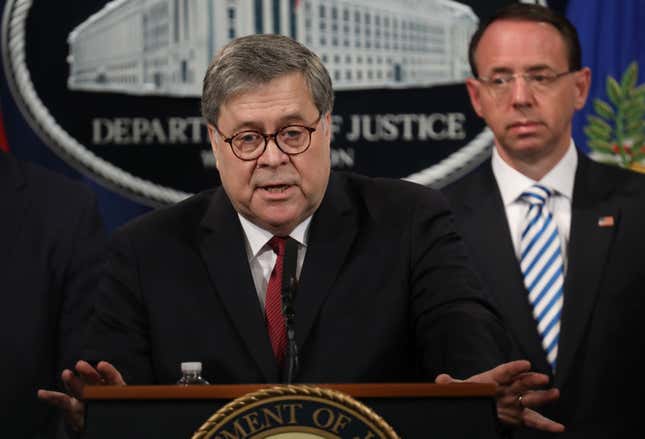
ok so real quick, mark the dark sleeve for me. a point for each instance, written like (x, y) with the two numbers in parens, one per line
(458, 331)
(83, 245)
(118, 330)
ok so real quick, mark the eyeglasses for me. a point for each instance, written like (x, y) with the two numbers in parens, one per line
(501, 83)
(250, 144)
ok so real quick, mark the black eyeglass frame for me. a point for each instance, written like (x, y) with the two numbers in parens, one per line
(268, 136)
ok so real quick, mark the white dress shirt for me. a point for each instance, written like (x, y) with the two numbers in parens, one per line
(560, 179)
(262, 258)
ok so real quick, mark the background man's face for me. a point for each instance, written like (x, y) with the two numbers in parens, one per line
(528, 123)
(276, 191)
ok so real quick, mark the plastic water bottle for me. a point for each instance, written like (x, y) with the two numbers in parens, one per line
(191, 374)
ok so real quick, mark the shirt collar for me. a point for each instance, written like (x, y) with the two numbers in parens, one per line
(257, 237)
(512, 183)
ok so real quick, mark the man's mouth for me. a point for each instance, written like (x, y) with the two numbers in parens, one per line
(276, 188)
(522, 124)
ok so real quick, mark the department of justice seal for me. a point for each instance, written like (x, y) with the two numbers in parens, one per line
(113, 87)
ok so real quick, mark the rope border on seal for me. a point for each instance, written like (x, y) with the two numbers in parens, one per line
(295, 390)
(16, 12)
(456, 164)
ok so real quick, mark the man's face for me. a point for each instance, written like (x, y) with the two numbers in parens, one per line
(275, 191)
(531, 122)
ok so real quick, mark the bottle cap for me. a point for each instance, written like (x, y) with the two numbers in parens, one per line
(191, 366)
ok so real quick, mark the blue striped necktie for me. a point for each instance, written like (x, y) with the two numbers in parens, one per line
(543, 269)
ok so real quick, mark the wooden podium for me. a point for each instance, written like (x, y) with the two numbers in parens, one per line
(413, 410)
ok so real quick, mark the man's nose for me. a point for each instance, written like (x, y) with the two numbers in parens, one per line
(521, 91)
(272, 154)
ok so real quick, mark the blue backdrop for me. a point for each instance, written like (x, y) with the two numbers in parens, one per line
(612, 34)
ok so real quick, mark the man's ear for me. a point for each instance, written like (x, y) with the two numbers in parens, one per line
(325, 126)
(474, 92)
(582, 82)
(326, 120)
(212, 137)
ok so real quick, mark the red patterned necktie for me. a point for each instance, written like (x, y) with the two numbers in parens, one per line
(273, 302)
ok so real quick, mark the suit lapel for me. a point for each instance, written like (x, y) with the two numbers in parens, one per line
(588, 254)
(487, 218)
(223, 249)
(331, 234)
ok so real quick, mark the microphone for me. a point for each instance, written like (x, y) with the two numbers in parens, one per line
(289, 288)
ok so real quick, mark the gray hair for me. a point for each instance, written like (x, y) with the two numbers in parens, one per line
(249, 61)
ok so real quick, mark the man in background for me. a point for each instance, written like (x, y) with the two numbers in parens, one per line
(556, 238)
(51, 238)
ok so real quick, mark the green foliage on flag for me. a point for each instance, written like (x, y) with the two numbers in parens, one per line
(617, 129)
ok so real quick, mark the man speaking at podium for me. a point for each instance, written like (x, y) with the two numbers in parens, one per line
(376, 274)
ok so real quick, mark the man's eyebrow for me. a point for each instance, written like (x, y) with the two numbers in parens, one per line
(291, 118)
(246, 126)
(533, 68)
(538, 68)
(495, 70)
(254, 125)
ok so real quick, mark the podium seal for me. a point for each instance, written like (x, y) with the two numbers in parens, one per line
(295, 412)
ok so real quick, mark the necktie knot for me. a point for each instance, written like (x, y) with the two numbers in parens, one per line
(536, 195)
(277, 244)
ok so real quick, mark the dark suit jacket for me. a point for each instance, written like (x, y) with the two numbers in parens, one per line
(384, 293)
(602, 338)
(50, 238)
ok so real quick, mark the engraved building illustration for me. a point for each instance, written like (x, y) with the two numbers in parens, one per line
(163, 47)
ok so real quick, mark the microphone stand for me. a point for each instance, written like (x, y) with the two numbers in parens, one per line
(289, 288)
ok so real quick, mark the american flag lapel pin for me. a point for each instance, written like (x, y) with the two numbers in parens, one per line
(606, 221)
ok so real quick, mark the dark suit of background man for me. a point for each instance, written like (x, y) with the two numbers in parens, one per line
(384, 293)
(528, 84)
(50, 240)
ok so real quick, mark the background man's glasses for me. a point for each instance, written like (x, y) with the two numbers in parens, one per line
(500, 84)
(251, 144)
